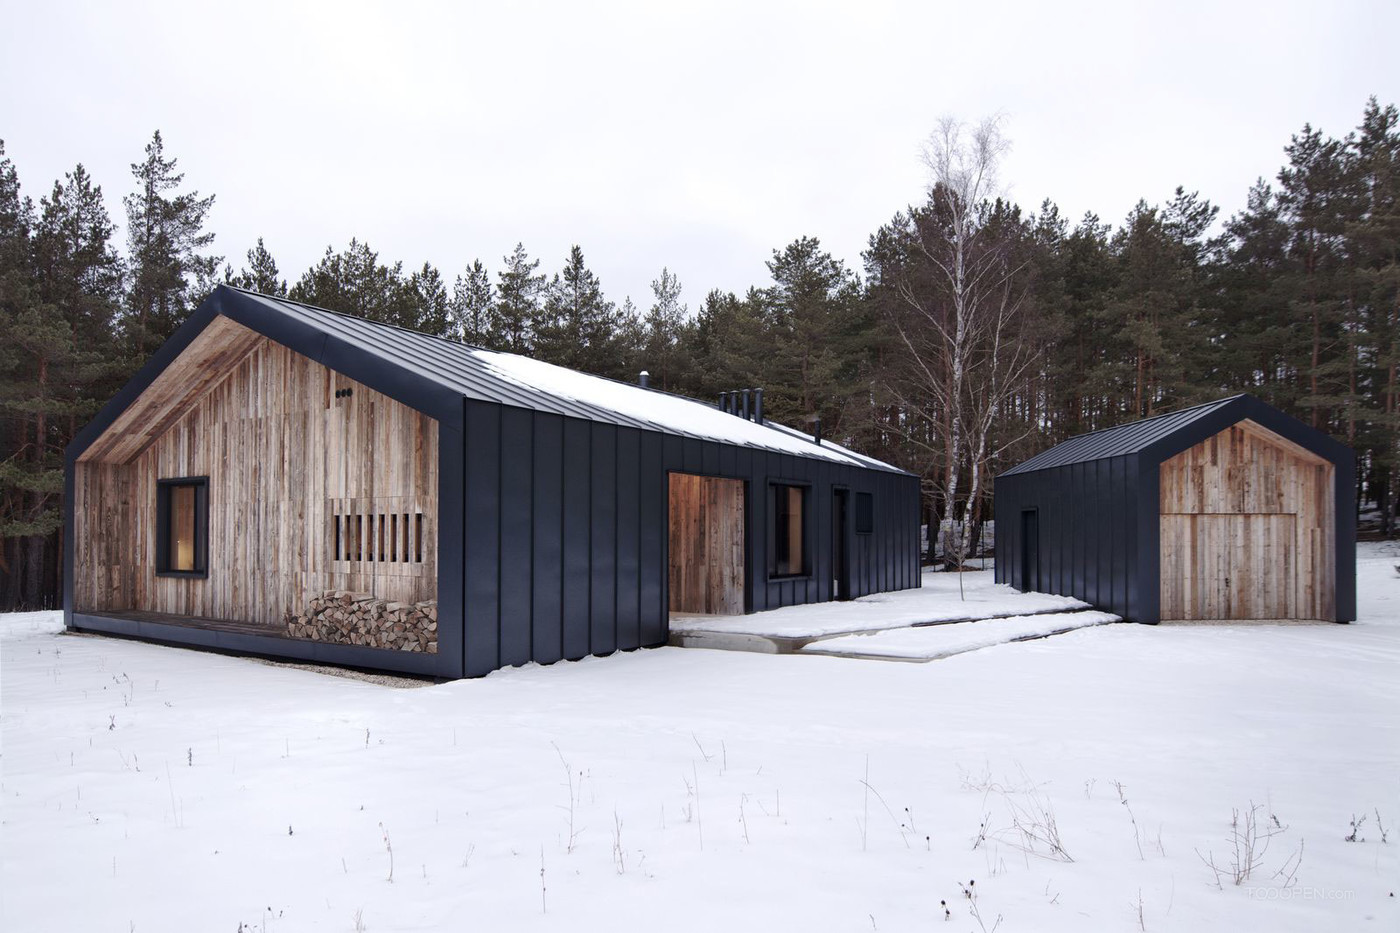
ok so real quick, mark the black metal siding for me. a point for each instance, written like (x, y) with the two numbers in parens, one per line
(482, 542)
(565, 540)
(1087, 522)
(602, 547)
(515, 500)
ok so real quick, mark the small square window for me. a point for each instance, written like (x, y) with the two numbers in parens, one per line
(788, 548)
(182, 527)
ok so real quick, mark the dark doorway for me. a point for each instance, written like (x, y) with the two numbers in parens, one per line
(840, 535)
(1030, 550)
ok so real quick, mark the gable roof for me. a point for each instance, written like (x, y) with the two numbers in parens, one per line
(1163, 436)
(433, 374)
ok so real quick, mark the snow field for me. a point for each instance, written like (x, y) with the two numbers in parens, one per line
(149, 789)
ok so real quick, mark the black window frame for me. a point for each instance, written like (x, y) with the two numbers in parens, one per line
(201, 527)
(864, 523)
(807, 527)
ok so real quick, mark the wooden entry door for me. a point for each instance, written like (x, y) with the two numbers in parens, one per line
(1229, 566)
(707, 544)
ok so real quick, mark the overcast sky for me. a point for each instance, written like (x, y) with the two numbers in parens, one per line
(698, 136)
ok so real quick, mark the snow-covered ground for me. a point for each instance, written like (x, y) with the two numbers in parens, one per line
(940, 598)
(153, 789)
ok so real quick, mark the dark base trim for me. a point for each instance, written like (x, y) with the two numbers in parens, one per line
(276, 647)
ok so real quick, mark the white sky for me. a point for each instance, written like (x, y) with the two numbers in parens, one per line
(699, 136)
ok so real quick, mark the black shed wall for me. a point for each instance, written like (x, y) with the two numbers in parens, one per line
(1090, 524)
(565, 532)
(1099, 522)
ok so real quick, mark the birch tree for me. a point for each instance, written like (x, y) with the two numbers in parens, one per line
(959, 316)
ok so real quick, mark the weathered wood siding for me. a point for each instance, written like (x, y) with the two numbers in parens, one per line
(286, 452)
(707, 544)
(1247, 529)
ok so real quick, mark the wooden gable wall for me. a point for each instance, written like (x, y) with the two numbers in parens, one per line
(286, 450)
(1248, 529)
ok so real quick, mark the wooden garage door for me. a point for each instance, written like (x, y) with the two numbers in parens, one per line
(707, 544)
(1229, 566)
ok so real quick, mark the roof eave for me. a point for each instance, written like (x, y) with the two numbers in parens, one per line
(403, 386)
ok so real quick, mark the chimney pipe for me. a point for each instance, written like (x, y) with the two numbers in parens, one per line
(744, 411)
(817, 433)
(758, 405)
(724, 401)
(644, 379)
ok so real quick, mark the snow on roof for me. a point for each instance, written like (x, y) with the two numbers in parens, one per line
(510, 379)
(673, 414)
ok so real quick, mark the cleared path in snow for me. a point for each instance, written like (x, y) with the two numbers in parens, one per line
(929, 643)
(940, 619)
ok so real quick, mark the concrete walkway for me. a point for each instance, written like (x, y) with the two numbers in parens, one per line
(944, 617)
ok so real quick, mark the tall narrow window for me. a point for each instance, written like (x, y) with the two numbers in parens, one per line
(865, 513)
(182, 527)
(787, 548)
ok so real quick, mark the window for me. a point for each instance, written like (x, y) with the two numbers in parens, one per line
(865, 513)
(182, 527)
(787, 549)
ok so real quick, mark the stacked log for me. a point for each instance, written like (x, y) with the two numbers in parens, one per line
(362, 619)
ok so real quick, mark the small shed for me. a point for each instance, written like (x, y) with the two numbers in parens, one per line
(288, 481)
(1230, 510)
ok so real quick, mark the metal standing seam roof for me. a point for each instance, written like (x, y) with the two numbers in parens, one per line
(1117, 441)
(503, 378)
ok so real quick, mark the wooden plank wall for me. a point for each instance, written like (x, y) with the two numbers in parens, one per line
(285, 452)
(706, 544)
(1248, 529)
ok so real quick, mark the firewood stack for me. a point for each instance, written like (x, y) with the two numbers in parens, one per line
(361, 619)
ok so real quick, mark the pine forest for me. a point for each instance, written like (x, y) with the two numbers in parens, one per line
(976, 333)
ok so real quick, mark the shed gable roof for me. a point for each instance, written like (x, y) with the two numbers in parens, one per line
(1163, 436)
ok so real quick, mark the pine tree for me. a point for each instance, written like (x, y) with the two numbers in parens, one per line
(431, 311)
(1253, 327)
(355, 282)
(1374, 244)
(579, 327)
(261, 274)
(17, 300)
(664, 332)
(58, 333)
(170, 273)
(815, 326)
(1155, 302)
(471, 306)
(519, 290)
(1318, 199)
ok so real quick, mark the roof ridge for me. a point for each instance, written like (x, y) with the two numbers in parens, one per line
(462, 343)
(499, 367)
(1164, 414)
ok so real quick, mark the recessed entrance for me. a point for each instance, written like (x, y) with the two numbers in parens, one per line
(706, 544)
(840, 554)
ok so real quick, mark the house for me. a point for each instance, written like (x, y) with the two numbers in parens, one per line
(1226, 511)
(286, 481)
